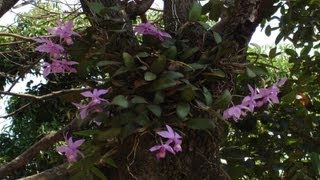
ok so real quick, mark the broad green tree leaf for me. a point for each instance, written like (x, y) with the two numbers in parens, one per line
(195, 11)
(158, 65)
(129, 61)
(149, 76)
(183, 110)
(155, 109)
(224, 100)
(201, 123)
(121, 101)
(217, 37)
(162, 83)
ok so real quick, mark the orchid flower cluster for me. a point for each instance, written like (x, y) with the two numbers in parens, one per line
(149, 29)
(70, 150)
(57, 53)
(92, 105)
(172, 145)
(258, 98)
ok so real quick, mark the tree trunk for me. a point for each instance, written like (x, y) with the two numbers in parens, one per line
(176, 14)
(199, 158)
(6, 5)
(113, 26)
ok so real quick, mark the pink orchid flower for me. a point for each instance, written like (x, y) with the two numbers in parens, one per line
(48, 46)
(92, 105)
(271, 94)
(235, 112)
(149, 29)
(95, 95)
(163, 148)
(172, 137)
(257, 98)
(83, 109)
(71, 149)
(173, 143)
(250, 101)
(59, 66)
(64, 31)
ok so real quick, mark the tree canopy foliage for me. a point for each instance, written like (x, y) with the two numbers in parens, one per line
(185, 69)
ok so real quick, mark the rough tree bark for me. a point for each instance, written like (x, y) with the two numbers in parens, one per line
(200, 156)
(6, 5)
(176, 14)
(112, 27)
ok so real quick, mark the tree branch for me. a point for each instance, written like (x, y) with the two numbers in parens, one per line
(60, 172)
(50, 95)
(42, 144)
(245, 17)
(27, 155)
(137, 7)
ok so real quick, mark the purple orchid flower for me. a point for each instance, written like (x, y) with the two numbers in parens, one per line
(71, 149)
(281, 82)
(271, 94)
(250, 101)
(83, 109)
(64, 31)
(149, 29)
(172, 137)
(257, 98)
(59, 66)
(95, 95)
(163, 148)
(92, 105)
(48, 46)
(235, 112)
(173, 143)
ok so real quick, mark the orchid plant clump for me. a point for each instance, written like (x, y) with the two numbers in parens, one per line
(258, 98)
(59, 64)
(173, 142)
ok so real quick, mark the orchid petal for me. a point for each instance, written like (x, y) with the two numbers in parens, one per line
(154, 148)
(78, 143)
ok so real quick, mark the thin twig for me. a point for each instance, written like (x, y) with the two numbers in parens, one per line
(12, 43)
(22, 37)
(24, 72)
(46, 96)
(16, 111)
(16, 36)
